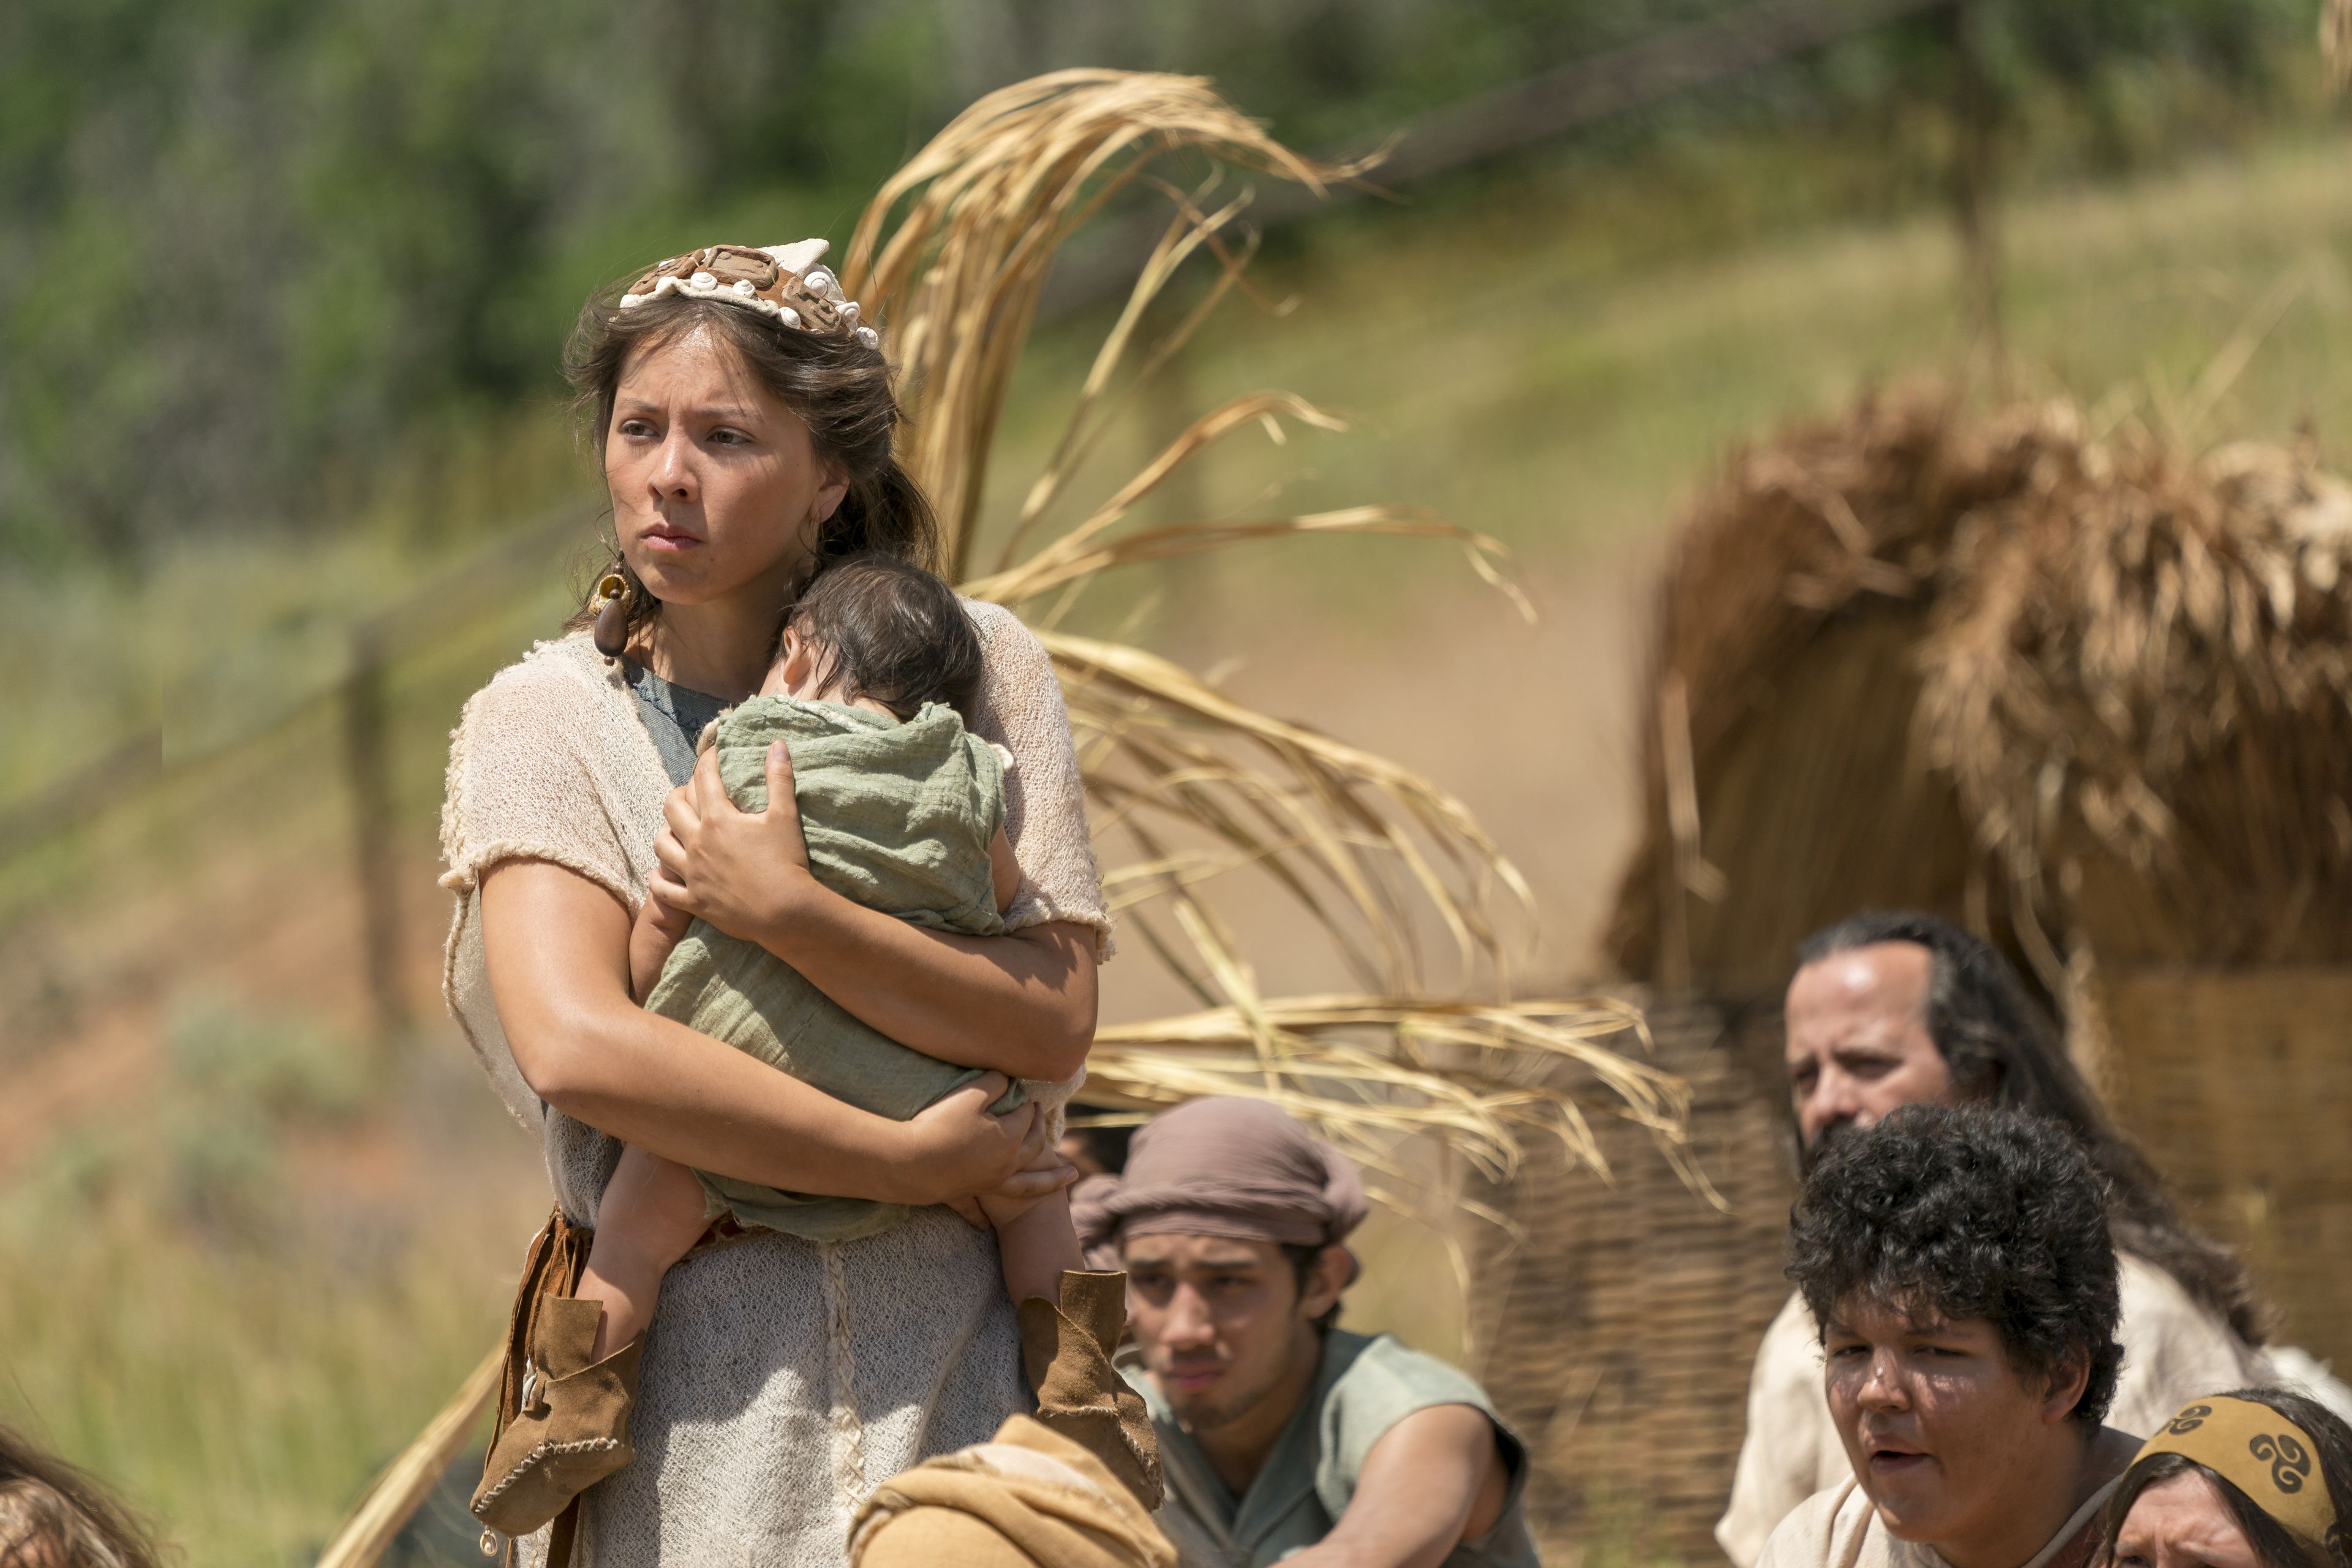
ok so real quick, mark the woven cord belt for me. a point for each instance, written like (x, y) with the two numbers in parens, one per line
(849, 1483)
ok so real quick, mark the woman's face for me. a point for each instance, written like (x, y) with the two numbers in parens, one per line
(717, 489)
(2182, 1523)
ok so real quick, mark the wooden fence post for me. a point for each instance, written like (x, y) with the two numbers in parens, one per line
(367, 758)
(1975, 159)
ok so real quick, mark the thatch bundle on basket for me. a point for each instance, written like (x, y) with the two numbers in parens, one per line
(2089, 694)
(1191, 792)
(2085, 694)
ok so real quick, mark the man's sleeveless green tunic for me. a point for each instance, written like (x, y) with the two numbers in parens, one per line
(1365, 1386)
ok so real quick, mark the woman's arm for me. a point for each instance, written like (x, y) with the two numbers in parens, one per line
(557, 948)
(1022, 1003)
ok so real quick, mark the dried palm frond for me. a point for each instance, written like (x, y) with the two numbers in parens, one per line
(1158, 740)
(1360, 1067)
(957, 279)
(1001, 187)
(953, 256)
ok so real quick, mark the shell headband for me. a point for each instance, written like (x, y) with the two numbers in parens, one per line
(778, 280)
(2260, 1452)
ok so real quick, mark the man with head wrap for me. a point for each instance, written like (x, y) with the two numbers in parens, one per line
(1281, 1437)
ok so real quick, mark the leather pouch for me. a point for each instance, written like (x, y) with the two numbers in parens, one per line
(562, 1420)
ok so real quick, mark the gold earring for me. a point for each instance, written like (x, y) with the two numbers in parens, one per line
(613, 619)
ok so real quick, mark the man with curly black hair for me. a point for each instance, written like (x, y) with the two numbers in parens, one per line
(1888, 1010)
(1958, 1262)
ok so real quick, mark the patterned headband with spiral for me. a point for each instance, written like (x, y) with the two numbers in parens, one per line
(2263, 1454)
(782, 281)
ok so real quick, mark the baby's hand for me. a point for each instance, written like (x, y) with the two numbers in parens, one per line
(1002, 1210)
(669, 920)
(655, 933)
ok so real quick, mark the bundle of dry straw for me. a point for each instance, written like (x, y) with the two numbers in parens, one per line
(2082, 690)
(954, 253)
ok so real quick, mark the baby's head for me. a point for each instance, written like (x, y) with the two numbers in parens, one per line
(878, 633)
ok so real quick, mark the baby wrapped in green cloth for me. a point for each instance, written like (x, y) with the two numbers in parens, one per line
(902, 809)
(899, 816)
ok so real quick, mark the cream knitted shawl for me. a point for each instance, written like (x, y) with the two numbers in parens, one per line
(783, 1379)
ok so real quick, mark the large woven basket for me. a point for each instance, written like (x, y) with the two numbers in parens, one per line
(2238, 1084)
(1616, 1337)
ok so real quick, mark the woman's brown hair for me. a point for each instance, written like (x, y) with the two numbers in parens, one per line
(55, 1516)
(837, 386)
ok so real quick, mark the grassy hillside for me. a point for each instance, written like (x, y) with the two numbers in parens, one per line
(1547, 357)
(236, 1290)
(1540, 362)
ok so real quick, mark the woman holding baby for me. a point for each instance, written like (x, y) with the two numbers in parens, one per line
(744, 418)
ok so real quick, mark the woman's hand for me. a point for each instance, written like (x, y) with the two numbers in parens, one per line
(1022, 1003)
(955, 1150)
(745, 872)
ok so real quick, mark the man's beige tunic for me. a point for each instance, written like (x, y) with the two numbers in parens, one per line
(2173, 1350)
(1838, 1528)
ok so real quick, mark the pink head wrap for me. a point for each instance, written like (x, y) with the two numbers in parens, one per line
(1239, 1168)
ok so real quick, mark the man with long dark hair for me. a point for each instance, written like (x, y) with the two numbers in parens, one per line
(1889, 1010)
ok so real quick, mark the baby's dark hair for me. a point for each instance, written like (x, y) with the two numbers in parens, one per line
(886, 630)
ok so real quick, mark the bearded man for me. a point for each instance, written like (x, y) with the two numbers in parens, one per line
(1282, 1437)
(1959, 1264)
(1890, 1010)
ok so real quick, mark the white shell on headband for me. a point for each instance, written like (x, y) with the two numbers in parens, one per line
(782, 282)
(800, 256)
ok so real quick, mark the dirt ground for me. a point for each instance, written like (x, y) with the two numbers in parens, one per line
(1530, 726)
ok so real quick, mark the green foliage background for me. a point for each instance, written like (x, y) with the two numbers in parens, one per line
(277, 263)
(282, 288)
